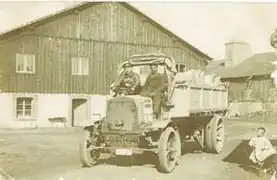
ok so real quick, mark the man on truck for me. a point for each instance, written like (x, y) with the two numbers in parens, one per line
(155, 87)
(128, 79)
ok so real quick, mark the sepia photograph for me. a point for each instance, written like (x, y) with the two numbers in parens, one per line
(138, 90)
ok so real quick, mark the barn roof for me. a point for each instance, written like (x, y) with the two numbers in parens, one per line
(258, 64)
(82, 5)
(214, 65)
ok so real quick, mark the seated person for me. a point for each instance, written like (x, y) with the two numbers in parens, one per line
(155, 87)
(129, 80)
(262, 148)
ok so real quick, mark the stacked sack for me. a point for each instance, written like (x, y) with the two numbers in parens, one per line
(212, 80)
(184, 77)
(195, 77)
(198, 78)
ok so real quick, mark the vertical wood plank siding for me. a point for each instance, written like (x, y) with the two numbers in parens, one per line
(259, 85)
(106, 33)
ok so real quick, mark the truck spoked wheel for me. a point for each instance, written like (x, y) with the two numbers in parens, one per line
(220, 136)
(88, 155)
(214, 135)
(169, 150)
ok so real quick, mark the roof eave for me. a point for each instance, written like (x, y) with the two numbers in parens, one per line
(167, 31)
(83, 4)
(43, 19)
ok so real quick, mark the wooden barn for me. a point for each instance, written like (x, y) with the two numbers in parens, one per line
(51, 67)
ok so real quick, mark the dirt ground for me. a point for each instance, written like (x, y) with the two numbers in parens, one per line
(47, 154)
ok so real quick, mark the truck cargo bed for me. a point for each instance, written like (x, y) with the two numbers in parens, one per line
(190, 100)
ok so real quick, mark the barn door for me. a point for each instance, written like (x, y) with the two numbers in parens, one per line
(79, 111)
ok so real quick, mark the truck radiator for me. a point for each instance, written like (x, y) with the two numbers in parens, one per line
(121, 114)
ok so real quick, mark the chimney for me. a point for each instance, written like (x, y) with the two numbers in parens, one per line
(236, 52)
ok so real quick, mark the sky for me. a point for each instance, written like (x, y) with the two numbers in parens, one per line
(205, 25)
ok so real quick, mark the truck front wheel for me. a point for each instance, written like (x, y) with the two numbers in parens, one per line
(214, 135)
(169, 150)
(88, 155)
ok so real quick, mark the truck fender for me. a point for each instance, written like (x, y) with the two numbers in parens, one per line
(94, 124)
(217, 116)
(163, 124)
(89, 128)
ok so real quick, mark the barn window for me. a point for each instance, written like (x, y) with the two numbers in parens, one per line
(25, 63)
(24, 107)
(180, 67)
(80, 66)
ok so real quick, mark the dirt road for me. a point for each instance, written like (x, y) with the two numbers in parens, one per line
(48, 154)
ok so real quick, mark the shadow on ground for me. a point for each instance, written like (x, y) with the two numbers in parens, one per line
(137, 160)
(240, 156)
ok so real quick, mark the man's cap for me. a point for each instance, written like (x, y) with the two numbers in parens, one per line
(261, 128)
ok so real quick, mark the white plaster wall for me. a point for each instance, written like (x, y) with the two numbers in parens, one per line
(242, 108)
(98, 104)
(53, 105)
(48, 106)
(6, 109)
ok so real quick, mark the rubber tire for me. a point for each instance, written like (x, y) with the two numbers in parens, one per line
(162, 159)
(85, 156)
(210, 140)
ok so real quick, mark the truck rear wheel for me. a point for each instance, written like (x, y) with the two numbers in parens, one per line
(169, 150)
(88, 156)
(214, 135)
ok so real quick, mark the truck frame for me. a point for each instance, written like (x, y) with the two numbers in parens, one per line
(189, 111)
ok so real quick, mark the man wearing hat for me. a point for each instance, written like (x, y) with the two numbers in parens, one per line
(154, 87)
(128, 79)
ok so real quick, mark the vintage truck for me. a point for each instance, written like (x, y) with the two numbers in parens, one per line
(189, 111)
